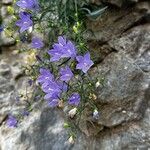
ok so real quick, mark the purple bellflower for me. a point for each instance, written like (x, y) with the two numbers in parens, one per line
(24, 22)
(55, 53)
(66, 74)
(37, 43)
(62, 49)
(45, 76)
(28, 4)
(12, 121)
(52, 90)
(74, 99)
(62, 40)
(69, 50)
(84, 62)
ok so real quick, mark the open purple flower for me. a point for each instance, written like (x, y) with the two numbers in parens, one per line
(66, 74)
(37, 43)
(84, 62)
(69, 51)
(62, 40)
(74, 99)
(62, 49)
(52, 95)
(28, 4)
(45, 76)
(55, 53)
(52, 90)
(24, 22)
(12, 121)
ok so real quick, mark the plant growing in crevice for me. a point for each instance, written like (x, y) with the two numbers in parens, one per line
(60, 73)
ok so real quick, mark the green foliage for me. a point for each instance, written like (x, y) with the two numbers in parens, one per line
(64, 17)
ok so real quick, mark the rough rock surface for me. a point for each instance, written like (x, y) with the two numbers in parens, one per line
(121, 40)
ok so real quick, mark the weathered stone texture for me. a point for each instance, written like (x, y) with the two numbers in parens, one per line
(120, 44)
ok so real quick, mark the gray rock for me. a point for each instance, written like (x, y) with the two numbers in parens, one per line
(42, 130)
(4, 12)
(8, 92)
(135, 43)
(120, 3)
(123, 57)
(121, 98)
(114, 22)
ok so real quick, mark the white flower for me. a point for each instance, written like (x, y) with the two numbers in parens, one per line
(72, 112)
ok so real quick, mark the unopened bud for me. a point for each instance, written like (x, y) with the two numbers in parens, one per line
(92, 96)
(66, 125)
(30, 30)
(95, 114)
(71, 140)
(61, 104)
(78, 24)
(10, 9)
(97, 84)
(72, 112)
(75, 29)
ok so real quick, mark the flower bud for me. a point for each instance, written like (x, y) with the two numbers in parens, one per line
(10, 10)
(72, 112)
(30, 30)
(75, 29)
(76, 15)
(71, 140)
(95, 114)
(66, 125)
(14, 17)
(78, 24)
(61, 104)
(92, 96)
(97, 84)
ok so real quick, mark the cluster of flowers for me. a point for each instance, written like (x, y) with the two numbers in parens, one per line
(54, 87)
(25, 22)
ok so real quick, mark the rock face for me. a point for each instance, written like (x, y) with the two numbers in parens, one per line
(120, 3)
(122, 97)
(120, 39)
